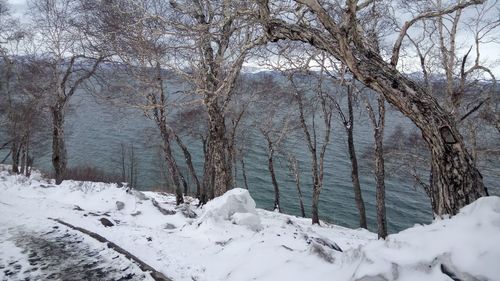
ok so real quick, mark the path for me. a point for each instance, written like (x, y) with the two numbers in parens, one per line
(61, 254)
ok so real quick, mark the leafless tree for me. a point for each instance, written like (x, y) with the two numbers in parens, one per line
(222, 37)
(341, 30)
(274, 121)
(22, 94)
(320, 104)
(70, 63)
(378, 123)
(293, 166)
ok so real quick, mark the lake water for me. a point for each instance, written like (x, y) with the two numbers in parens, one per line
(96, 131)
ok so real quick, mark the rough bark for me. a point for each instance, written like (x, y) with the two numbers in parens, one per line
(217, 148)
(455, 180)
(59, 154)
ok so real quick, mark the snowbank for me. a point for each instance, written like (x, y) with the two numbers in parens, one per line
(236, 206)
(269, 246)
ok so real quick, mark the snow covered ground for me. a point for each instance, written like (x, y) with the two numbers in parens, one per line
(229, 239)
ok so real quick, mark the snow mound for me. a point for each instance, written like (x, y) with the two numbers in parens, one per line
(236, 206)
(463, 247)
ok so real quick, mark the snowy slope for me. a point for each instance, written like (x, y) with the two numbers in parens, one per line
(229, 239)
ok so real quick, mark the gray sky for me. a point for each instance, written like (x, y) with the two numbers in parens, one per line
(489, 52)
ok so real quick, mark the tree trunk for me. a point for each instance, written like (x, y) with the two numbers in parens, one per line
(316, 188)
(294, 169)
(380, 170)
(270, 166)
(244, 173)
(59, 156)
(378, 133)
(315, 203)
(380, 176)
(455, 180)
(207, 183)
(189, 163)
(23, 157)
(218, 150)
(172, 169)
(358, 197)
(185, 184)
(15, 156)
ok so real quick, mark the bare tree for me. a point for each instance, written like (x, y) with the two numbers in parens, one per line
(223, 37)
(22, 94)
(293, 166)
(70, 64)
(378, 133)
(322, 103)
(337, 29)
(273, 121)
(348, 123)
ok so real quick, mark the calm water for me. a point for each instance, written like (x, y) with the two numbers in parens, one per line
(97, 130)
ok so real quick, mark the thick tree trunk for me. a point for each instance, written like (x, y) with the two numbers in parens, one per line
(59, 155)
(455, 180)
(358, 197)
(218, 150)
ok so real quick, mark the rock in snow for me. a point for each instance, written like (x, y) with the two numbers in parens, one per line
(120, 205)
(106, 222)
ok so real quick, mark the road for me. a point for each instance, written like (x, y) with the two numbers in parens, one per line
(61, 254)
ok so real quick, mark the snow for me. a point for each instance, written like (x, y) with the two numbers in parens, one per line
(236, 206)
(230, 239)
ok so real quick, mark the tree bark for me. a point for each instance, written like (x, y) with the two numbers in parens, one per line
(172, 169)
(380, 176)
(15, 156)
(243, 171)
(358, 197)
(294, 169)
(455, 180)
(217, 148)
(59, 154)
(270, 166)
(207, 183)
(189, 163)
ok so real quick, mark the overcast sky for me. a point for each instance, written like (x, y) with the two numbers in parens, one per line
(489, 52)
